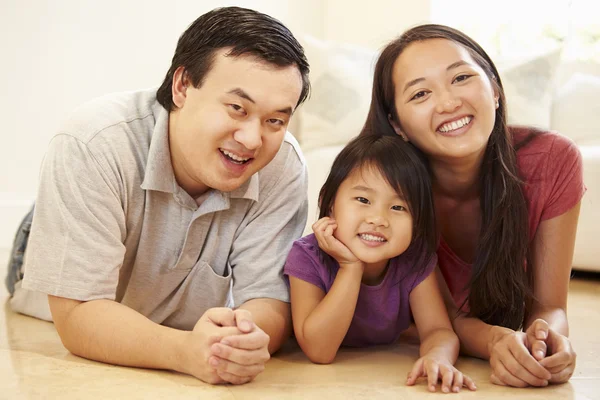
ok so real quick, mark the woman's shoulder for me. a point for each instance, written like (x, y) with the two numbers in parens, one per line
(542, 152)
(531, 141)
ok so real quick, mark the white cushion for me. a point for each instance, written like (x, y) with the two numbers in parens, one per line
(529, 88)
(576, 109)
(319, 162)
(341, 79)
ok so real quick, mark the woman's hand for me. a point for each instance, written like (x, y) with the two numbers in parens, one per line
(511, 360)
(439, 369)
(560, 359)
(323, 230)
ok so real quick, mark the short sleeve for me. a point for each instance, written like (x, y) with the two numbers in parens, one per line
(302, 263)
(420, 276)
(564, 185)
(75, 249)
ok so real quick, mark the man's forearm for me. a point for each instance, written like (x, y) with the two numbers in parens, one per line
(110, 332)
(273, 317)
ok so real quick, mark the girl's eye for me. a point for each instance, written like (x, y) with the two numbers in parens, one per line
(462, 78)
(363, 200)
(398, 208)
(418, 95)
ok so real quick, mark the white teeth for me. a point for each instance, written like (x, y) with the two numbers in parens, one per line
(233, 156)
(371, 238)
(451, 126)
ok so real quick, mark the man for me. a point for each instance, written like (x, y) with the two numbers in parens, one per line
(158, 209)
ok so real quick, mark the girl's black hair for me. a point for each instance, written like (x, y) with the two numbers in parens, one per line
(404, 169)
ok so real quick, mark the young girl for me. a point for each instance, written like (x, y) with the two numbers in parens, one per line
(367, 267)
(506, 200)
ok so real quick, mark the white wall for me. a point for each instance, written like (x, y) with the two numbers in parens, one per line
(57, 54)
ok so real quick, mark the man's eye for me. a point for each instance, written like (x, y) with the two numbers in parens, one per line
(363, 200)
(276, 121)
(237, 107)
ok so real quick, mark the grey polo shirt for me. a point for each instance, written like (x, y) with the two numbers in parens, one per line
(111, 222)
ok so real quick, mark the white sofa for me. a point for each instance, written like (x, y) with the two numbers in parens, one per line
(341, 82)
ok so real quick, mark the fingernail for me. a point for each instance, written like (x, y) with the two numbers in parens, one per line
(216, 350)
(456, 389)
(225, 342)
(246, 325)
(541, 334)
(432, 388)
(214, 362)
(540, 354)
(445, 389)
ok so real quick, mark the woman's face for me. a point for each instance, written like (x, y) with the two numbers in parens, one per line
(444, 100)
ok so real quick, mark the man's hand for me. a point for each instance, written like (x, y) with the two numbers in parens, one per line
(238, 358)
(214, 325)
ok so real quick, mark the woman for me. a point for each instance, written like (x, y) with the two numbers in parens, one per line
(506, 202)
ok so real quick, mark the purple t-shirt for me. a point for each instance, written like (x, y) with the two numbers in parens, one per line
(382, 311)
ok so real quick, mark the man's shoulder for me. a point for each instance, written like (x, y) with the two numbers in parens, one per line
(288, 160)
(112, 113)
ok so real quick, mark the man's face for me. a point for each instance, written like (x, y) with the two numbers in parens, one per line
(233, 124)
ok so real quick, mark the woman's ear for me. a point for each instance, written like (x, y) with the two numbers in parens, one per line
(397, 128)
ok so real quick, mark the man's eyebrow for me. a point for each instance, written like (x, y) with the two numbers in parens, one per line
(241, 93)
(451, 66)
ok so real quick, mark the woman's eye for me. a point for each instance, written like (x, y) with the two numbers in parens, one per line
(418, 95)
(362, 200)
(462, 78)
(398, 208)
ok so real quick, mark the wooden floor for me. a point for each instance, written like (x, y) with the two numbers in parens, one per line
(35, 365)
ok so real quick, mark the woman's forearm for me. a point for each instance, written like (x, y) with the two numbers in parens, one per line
(325, 328)
(476, 337)
(555, 317)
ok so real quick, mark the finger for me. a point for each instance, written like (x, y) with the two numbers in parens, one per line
(240, 356)
(458, 381)
(447, 377)
(496, 381)
(222, 365)
(248, 341)
(432, 369)
(538, 330)
(415, 373)
(234, 379)
(563, 375)
(469, 383)
(556, 360)
(220, 316)
(243, 320)
(523, 365)
(538, 349)
(507, 378)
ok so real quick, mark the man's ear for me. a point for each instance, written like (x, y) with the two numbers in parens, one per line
(179, 87)
(397, 128)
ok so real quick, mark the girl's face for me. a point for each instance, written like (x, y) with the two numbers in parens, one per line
(372, 220)
(444, 100)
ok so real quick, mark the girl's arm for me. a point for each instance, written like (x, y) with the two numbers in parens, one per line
(439, 344)
(321, 320)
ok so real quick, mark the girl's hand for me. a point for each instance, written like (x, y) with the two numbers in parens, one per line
(438, 369)
(323, 230)
(512, 363)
